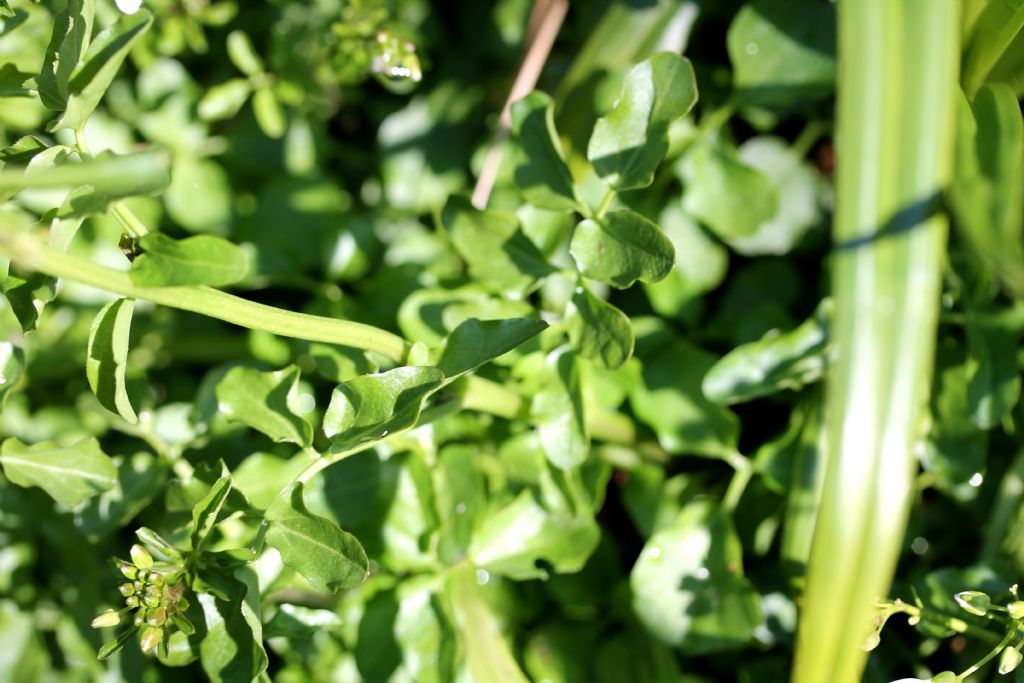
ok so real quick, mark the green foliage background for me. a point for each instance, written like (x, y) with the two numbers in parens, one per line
(616, 482)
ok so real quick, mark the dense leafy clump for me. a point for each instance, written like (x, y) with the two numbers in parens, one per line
(374, 379)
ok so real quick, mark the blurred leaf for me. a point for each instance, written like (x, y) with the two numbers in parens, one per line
(22, 150)
(486, 649)
(370, 407)
(461, 499)
(474, 342)
(621, 248)
(557, 411)
(797, 189)
(993, 374)
(781, 58)
(688, 586)
(265, 402)
(117, 175)
(956, 449)
(231, 650)
(297, 621)
(628, 144)
(140, 478)
(205, 512)
(107, 357)
(701, 265)
(725, 194)
(243, 54)
(597, 330)
(671, 400)
(541, 174)
(986, 197)
(259, 477)
(198, 260)
(423, 633)
(12, 367)
(329, 558)
(269, 114)
(493, 246)
(93, 76)
(775, 362)
(199, 196)
(224, 100)
(69, 474)
(510, 540)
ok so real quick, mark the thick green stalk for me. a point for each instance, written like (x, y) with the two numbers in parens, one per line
(895, 127)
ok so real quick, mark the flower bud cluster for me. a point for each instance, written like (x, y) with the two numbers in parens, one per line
(156, 604)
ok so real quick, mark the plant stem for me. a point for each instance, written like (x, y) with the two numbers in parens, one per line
(547, 19)
(605, 203)
(28, 251)
(996, 650)
(738, 484)
(895, 112)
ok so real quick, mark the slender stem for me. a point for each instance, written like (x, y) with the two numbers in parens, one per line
(996, 650)
(606, 201)
(29, 251)
(548, 17)
(128, 220)
(740, 478)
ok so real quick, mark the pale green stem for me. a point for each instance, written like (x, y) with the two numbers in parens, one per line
(995, 651)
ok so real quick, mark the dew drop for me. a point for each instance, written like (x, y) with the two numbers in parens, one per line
(976, 479)
(482, 577)
(752, 49)
(702, 573)
(460, 508)
(919, 545)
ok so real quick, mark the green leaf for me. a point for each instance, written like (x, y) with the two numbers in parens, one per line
(989, 37)
(269, 114)
(461, 499)
(265, 401)
(231, 650)
(204, 514)
(510, 540)
(224, 100)
(12, 367)
(28, 296)
(370, 407)
(541, 174)
(688, 584)
(424, 633)
(621, 248)
(671, 401)
(598, 330)
(993, 375)
(23, 150)
(775, 362)
(296, 621)
(725, 194)
(474, 342)
(72, 32)
(493, 246)
(198, 260)
(13, 82)
(557, 411)
(118, 175)
(101, 63)
(69, 474)
(243, 54)
(629, 143)
(329, 558)
(986, 196)
(781, 58)
(107, 357)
